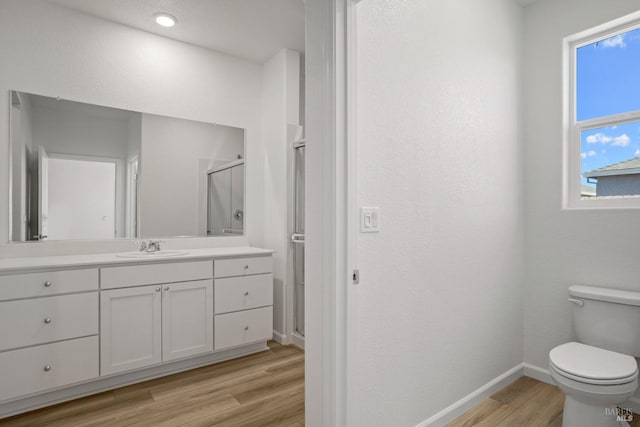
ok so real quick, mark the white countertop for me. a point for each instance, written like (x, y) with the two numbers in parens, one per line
(13, 265)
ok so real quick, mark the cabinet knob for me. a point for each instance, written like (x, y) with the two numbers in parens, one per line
(246, 267)
(47, 284)
(246, 328)
(246, 293)
(158, 289)
(166, 288)
(47, 368)
(47, 320)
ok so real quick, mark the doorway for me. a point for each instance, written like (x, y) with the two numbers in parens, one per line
(80, 197)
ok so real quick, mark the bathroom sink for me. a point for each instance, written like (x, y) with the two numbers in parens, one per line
(156, 254)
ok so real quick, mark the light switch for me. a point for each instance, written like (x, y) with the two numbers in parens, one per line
(369, 219)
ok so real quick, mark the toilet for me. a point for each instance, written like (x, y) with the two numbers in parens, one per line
(599, 371)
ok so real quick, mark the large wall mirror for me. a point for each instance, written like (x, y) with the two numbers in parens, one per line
(83, 171)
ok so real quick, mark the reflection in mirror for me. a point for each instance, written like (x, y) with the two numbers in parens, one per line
(82, 171)
(226, 199)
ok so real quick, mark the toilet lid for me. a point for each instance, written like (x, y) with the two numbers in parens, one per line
(594, 363)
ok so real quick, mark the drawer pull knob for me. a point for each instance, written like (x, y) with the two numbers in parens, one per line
(246, 293)
(246, 328)
(47, 284)
(246, 267)
(166, 288)
(158, 289)
(47, 320)
(47, 368)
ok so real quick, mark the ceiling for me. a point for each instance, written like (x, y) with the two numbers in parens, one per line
(251, 29)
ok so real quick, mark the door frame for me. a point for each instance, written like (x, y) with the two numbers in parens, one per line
(330, 214)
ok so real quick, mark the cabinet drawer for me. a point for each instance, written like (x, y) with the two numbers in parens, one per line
(243, 327)
(243, 266)
(40, 320)
(29, 285)
(151, 274)
(242, 293)
(35, 369)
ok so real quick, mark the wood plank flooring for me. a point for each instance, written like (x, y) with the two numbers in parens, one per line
(525, 402)
(263, 389)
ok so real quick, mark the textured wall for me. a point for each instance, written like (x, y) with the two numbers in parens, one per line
(280, 107)
(598, 247)
(439, 150)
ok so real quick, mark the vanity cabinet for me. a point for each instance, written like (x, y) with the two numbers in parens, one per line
(243, 301)
(49, 333)
(74, 330)
(145, 325)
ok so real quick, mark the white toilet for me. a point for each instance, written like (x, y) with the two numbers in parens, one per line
(599, 372)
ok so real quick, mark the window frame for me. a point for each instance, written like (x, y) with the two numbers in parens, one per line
(572, 176)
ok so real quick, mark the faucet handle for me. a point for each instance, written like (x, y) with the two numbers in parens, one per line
(156, 244)
(142, 244)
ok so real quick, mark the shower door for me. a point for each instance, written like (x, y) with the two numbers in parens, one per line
(298, 241)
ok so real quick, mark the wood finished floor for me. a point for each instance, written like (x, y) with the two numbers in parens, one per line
(525, 402)
(263, 389)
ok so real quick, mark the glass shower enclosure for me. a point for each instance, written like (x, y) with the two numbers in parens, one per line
(297, 238)
(225, 202)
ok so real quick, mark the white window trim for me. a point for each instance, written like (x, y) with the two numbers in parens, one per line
(572, 130)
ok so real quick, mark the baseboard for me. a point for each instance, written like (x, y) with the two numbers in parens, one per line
(298, 341)
(538, 373)
(281, 338)
(463, 405)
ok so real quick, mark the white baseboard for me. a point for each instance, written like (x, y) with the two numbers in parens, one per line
(298, 341)
(463, 405)
(281, 338)
(538, 373)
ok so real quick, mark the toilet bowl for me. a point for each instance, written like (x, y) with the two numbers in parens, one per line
(595, 381)
(599, 372)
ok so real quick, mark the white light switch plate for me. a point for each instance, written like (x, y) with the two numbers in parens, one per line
(369, 219)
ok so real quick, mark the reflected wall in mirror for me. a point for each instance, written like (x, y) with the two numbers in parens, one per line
(83, 171)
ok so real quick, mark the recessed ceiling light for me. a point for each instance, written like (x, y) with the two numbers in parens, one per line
(165, 19)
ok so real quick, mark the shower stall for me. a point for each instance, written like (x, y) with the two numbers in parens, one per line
(225, 199)
(297, 239)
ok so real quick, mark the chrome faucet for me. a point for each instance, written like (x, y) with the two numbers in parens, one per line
(150, 246)
(154, 245)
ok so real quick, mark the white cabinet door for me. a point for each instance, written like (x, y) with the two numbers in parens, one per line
(187, 319)
(243, 327)
(130, 328)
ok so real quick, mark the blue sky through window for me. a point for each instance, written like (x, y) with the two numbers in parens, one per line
(608, 82)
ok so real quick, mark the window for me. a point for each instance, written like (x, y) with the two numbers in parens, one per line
(602, 163)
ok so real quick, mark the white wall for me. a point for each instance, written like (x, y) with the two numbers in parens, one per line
(440, 152)
(173, 184)
(70, 131)
(564, 247)
(104, 63)
(280, 107)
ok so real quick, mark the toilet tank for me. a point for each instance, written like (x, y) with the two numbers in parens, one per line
(606, 318)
